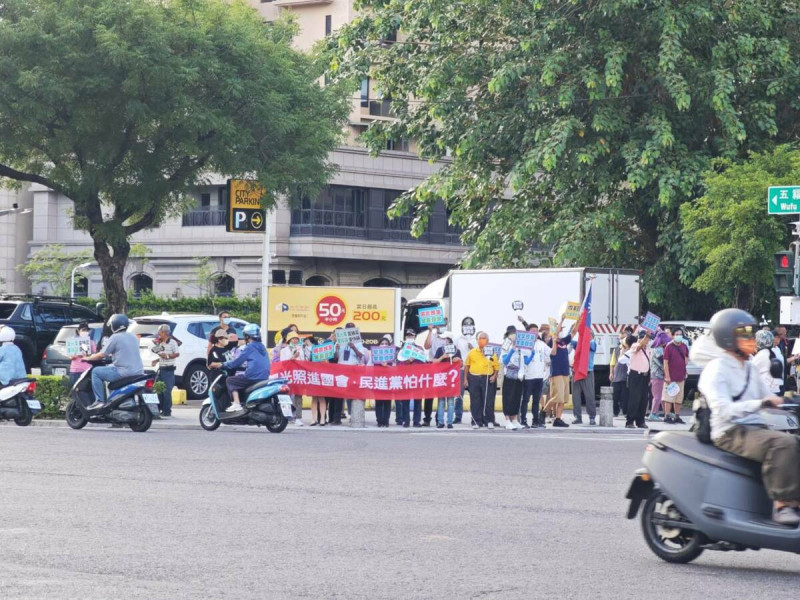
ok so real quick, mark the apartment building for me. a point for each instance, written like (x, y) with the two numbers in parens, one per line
(341, 237)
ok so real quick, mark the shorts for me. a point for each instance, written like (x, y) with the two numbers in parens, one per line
(677, 398)
(559, 389)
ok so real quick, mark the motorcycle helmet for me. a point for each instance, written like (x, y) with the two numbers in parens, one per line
(7, 334)
(730, 324)
(118, 322)
(252, 331)
(764, 339)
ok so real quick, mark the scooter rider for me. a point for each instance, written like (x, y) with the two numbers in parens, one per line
(12, 366)
(123, 348)
(735, 394)
(255, 355)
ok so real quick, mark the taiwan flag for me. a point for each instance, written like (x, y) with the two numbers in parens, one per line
(581, 364)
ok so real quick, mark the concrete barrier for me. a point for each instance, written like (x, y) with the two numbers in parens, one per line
(606, 406)
(357, 416)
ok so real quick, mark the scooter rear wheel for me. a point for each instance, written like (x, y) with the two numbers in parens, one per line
(144, 422)
(26, 418)
(208, 420)
(672, 544)
(75, 417)
(279, 426)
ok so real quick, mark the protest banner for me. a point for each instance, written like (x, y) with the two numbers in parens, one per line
(74, 346)
(431, 316)
(553, 325)
(650, 322)
(323, 352)
(430, 380)
(383, 354)
(490, 350)
(571, 310)
(525, 340)
(411, 351)
(348, 335)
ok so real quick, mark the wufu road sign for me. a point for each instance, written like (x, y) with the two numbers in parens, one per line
(245, 214)
(783, 200)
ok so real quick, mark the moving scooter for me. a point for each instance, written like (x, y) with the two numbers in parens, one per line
(697, 497)
(130, 401)
(17, 402)
(264, 403)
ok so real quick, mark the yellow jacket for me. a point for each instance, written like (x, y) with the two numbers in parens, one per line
(478, 364)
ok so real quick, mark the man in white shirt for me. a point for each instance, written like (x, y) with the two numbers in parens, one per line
(464, 343)
(536, 363)
(735, 394)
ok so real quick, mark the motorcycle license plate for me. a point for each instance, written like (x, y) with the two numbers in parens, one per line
(286, 409)
(34, 404)
(60, 372)
(150, 398)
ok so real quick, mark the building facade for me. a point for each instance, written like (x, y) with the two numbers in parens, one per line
(15, 232)
(341, 237)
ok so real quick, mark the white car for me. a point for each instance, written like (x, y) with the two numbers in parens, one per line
(192, 331)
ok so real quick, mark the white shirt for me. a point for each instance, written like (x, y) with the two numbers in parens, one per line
(720, 381)
(352, 358)
(288, 353)
(539, 367)
(763, 361)
(465, 343)
(436, 343)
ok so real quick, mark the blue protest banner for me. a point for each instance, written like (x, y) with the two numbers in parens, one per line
(383, 354)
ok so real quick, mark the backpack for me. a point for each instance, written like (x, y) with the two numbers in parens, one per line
(702, 413)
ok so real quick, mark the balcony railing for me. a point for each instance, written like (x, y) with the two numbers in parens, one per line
(204, 218)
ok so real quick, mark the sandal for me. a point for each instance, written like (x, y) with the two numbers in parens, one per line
(323, 424)
(315, 423)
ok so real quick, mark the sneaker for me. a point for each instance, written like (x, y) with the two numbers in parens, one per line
(496, 424)
(476, 426)
(406, 425)
(518, 426)
(95, 406)
(166, 416)
(509, 425)
(440, 426)
(457, 422)
(786, 515)
(559, 423)
(630, 426)
(654, 417)
(592, 422)
(642, 426)
(525, 426)
(233, 408)
(417, 425)
(578, 421)
(678, 420)
(490, 425)
(298, 423)
(450, 426)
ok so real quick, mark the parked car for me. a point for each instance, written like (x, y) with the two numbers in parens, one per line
(692, 330)
(38, 319)
(55, 360)
(192, 331)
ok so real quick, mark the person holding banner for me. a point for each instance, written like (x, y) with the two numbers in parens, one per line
(402, 407)
(319, 404)
(559, 375)
(638, 381)
(294, 351)
(481, 366)
(383, 408)
(512, 380)
(447, 352)
(433, 342)
(351, 352)
(536, 364)
(465, 342)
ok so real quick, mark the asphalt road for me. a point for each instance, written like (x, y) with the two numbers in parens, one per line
(105, 513)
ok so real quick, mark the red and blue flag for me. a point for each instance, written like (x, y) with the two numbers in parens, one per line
(582, 351)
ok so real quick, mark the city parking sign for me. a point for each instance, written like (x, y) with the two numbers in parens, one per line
(783, 200)
(245, 214)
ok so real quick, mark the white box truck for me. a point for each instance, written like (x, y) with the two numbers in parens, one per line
(488, 297)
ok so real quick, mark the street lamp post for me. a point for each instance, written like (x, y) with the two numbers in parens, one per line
(15, 210)
(72, 279)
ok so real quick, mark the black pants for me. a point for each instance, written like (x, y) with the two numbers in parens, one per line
(477, 385)
(620, 397)
(335, 409)
(401, 412)
(418, 408)
(638, 389)
(531, 390)
(383, 410)
(512, 396)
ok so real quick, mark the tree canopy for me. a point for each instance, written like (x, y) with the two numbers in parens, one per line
(580, 125)
(125, 105)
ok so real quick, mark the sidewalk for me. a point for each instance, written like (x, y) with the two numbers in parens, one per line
(187, 417)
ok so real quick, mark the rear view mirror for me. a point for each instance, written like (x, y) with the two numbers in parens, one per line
(776, 369)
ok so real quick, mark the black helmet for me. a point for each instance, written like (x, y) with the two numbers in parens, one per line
(732, 323)
(117, 323)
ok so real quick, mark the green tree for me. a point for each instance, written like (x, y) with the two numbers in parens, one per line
(124, 105)
(52, 266)
(730, 234)
(583, 126)
(204, 278)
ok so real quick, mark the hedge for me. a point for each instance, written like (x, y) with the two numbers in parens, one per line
(53, 392)
(248, 309)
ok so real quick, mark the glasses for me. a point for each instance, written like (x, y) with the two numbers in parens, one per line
(745, 332)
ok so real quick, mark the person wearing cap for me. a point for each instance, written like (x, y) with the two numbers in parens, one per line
(512, 378)
(293, 350)
(222, 351)
(447, 352)
(166, 348)
(383, 408)
(638, 381)
(12, 366)
(319, 404)
(402, 408)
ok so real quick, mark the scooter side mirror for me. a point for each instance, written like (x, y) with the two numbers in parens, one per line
(776, 369)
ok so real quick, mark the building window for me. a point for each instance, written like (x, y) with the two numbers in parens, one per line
(328, 24)
(279, 276)
(224, 286)
(142, 284)
(365, 92)
(400, 145)
(402, 223)
(81, 289)
(295, 277)
(205, 201)
(337, 211)
(317, 280)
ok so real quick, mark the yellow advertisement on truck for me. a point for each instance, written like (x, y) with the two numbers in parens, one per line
(318, 311)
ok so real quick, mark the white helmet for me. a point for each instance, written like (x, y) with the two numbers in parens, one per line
(7, 334)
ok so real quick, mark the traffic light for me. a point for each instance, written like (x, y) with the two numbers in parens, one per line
(784, 273)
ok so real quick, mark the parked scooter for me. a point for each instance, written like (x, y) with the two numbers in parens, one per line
(17, 402)
(265, 403)
(697, 497)
(130, 401)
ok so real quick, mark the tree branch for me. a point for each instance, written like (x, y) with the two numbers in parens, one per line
(6, 171)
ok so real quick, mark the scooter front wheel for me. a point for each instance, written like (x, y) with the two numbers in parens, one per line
(75, 417)
(669, 541)
(144, 422)
(208, 420)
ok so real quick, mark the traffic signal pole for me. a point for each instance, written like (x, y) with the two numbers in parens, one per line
(789, 305)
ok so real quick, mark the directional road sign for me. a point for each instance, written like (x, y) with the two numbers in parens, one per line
(783, 200)
(245, 214)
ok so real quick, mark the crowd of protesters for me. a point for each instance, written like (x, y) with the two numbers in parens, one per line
(647, 373)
